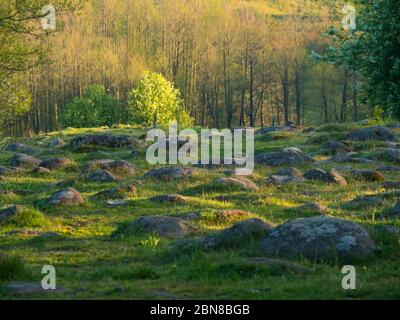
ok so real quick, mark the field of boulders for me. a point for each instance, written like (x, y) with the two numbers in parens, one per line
(114, 227)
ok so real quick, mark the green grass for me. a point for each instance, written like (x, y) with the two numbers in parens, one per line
(94, 265)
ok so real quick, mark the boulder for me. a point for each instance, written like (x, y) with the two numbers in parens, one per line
(41, 170)
(284, 158)
(68, 197)
(396, 210)
(23, 160)
(368, 175)
(332, 176)
(377, 133)
(54, 163)
(237, 183)
(317, 174)
(101, 175)
(20, 148)
(103, 140)
(280, 180)
(56, 142)
(290, 172)
(274, 129)
(122, 192)
(390, 154)
(319, 238)
(391, 185)
(336, 147)
(169, 173)
(120, 168)
(9, 212)
(367, 202)
(231, 215)
(314, 207)
(170, 227)
(238, 235)
(169, 198)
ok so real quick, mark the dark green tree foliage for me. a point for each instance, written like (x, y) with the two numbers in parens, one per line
(373, 49)
(95, 108)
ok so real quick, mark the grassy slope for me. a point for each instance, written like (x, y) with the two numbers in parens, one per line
(94, 266)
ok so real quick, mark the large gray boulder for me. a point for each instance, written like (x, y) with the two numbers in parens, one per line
(377, 133)
(319, 238)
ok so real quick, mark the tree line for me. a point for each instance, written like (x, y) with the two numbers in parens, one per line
(234, 62)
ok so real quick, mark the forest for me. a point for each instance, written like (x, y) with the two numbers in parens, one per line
(235, 63)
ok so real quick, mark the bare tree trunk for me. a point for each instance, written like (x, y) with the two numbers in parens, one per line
(285, 88)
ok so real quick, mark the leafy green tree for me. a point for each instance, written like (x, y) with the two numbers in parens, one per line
(155, 101)
(373, 49)
(95, 108)
(22, 47)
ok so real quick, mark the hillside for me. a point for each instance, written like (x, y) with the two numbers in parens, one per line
(101, 251)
